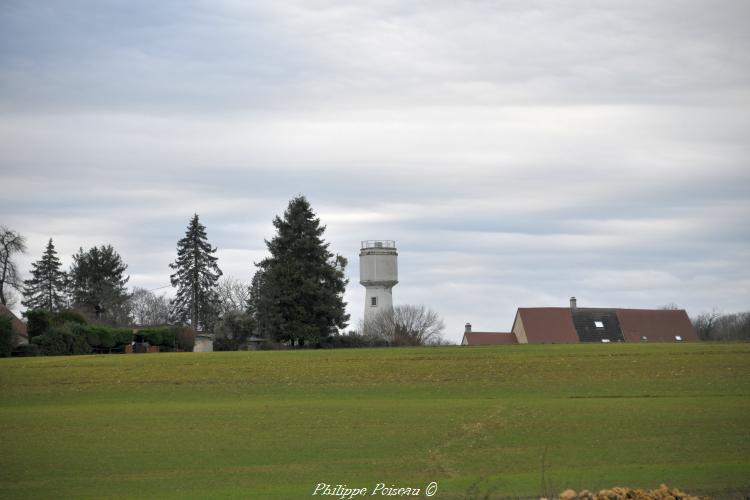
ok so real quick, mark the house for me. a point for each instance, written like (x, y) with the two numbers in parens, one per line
(20, 335)
(487, 338)
(552, 325)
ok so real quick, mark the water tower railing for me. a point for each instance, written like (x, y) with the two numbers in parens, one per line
(378, 244)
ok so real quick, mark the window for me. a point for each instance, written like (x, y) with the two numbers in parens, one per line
(599, 324)
(374, 301)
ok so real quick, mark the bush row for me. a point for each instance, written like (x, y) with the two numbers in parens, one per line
(168, 337)
(39, 321)
(74, 338)
(103, 338)
(61, 340)
(67, 332)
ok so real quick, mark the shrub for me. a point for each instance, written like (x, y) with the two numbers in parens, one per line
(68, 316)
(6, 337)
(351, 340)
(268, 346)
(123, 336)
(49, 345)
(223, 344)
(163, 336)
(232, 331)
(62, 340)
(345, 341)
(185, 338)
(104, 338)
(91, 334)
(26, 350)
(37, 322)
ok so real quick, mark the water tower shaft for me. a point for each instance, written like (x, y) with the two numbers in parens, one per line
(378, 273)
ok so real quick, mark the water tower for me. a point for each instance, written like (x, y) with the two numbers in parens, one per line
(378, 273)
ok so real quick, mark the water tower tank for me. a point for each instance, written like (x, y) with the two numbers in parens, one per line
(378, 273)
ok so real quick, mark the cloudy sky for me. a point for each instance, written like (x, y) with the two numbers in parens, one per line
(519, 152)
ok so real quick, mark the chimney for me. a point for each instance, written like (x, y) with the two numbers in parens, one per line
(573, 303)
(467, 328)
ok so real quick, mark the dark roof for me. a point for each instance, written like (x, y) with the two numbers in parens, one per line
(595, 324)
(657, 325)
(489, 338)
(19, 327)
(547, 325)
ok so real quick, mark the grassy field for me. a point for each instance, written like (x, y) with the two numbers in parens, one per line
(275, 424)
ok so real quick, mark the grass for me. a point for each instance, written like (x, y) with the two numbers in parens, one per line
(475, 420)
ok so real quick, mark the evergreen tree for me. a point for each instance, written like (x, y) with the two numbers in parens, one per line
(302, 282)
(258, 307)
(196, 277)
(97, 284)
(47, 288)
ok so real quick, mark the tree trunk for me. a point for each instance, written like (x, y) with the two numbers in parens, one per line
(2, 282)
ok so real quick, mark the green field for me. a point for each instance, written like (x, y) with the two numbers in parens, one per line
(275, 424)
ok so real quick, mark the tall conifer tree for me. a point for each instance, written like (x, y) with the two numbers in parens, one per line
(47, 288)
(196, 276)
(258, 306)
(302, 282)
(98, 284)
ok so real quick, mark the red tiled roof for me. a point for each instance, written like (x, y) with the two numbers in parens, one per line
(19, 327)
(489, 338)
(547, 325)
(657, 325)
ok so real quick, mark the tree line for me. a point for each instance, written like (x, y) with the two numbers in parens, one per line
(295, 296)
(717, 326)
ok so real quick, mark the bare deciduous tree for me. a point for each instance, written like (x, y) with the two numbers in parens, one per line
(147, 308)
(406, 325)
(11, 243)
(704, 324)
(717, 326)
(669, 307)
(232, 331)
(233, 295)
(11, 299)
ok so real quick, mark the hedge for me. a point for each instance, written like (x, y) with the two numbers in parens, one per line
(104, 337)
(66, 332)
(61, 340)
(39, 321)
(169, 337)
(163, 336)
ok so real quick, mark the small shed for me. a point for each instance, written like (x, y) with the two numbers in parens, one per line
(204, 342)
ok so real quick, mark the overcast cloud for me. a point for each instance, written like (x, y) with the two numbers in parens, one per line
(518, 152)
